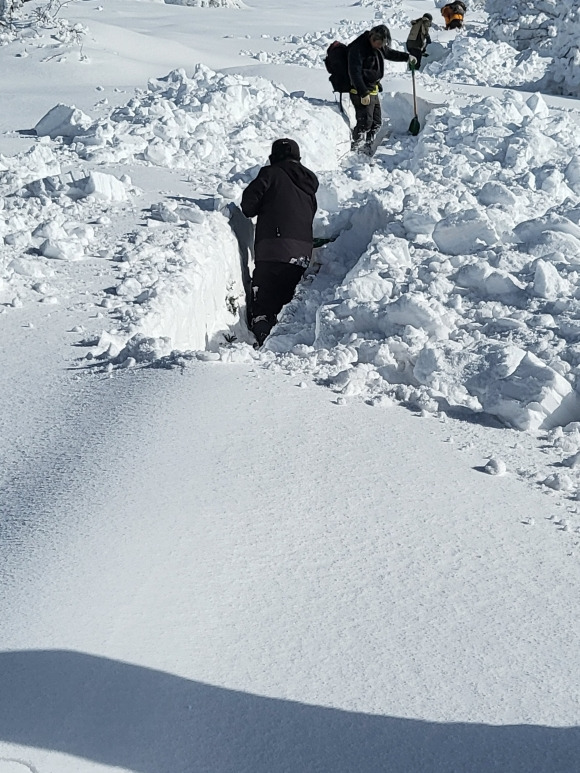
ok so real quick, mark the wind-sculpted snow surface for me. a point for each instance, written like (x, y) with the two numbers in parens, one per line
(550, 27)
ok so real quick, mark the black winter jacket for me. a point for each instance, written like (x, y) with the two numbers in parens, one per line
(366, 64)
(283, 197)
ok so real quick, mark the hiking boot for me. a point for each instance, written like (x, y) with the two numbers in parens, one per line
(369, 143)
(261, 327)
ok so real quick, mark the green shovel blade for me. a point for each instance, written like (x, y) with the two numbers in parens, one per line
(414, 127)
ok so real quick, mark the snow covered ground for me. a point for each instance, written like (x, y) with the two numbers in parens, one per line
(356, 549)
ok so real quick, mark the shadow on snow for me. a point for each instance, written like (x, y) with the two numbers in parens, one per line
(119, 714)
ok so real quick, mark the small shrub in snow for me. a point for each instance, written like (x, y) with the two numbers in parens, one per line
(41, 17)
(8, 8)
(47, 16)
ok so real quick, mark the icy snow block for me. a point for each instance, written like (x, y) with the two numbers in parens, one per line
(530, 231)
(129, 288)
(48, 186)
(417, 222)
(29, 267)
(144, 348)
(102, 186)
(55, 185)
(371, 287)
(488, 282)
(533, 397)
(538, 106)
(18, 239)
(572, 174)
(418, 312)
(62, 249)
(464, 233)
(63, 121)
(496, 193)
(548, 283)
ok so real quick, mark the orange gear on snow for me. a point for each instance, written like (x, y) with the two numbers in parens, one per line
(450, 14)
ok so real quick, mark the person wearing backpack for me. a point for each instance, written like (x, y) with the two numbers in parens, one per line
(366, 67)
(283, 197)
(453, 14)
(419, 39)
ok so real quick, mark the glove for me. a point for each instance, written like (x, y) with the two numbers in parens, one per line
(366, 100)
(412, 62)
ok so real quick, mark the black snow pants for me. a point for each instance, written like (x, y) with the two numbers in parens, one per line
(273, 286)
(368, 118)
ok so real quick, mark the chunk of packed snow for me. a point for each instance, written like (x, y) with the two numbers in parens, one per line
(103, 186)
(63, 121)
(495, 466)
(464, 233)
(62, 249)
(548, 283)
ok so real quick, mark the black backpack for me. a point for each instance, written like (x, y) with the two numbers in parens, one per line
(336, 63)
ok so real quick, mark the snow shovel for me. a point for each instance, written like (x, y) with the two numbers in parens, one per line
(414, 126)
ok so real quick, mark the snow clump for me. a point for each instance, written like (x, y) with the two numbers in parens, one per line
(495, 466)
(62, 121)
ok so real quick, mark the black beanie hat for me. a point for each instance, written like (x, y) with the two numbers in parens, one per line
(428, 16)
(284, 148)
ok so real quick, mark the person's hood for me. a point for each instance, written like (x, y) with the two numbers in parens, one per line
(302, 177)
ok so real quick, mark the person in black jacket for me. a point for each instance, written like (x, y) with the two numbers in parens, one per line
(283, 196)
(366, 68)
